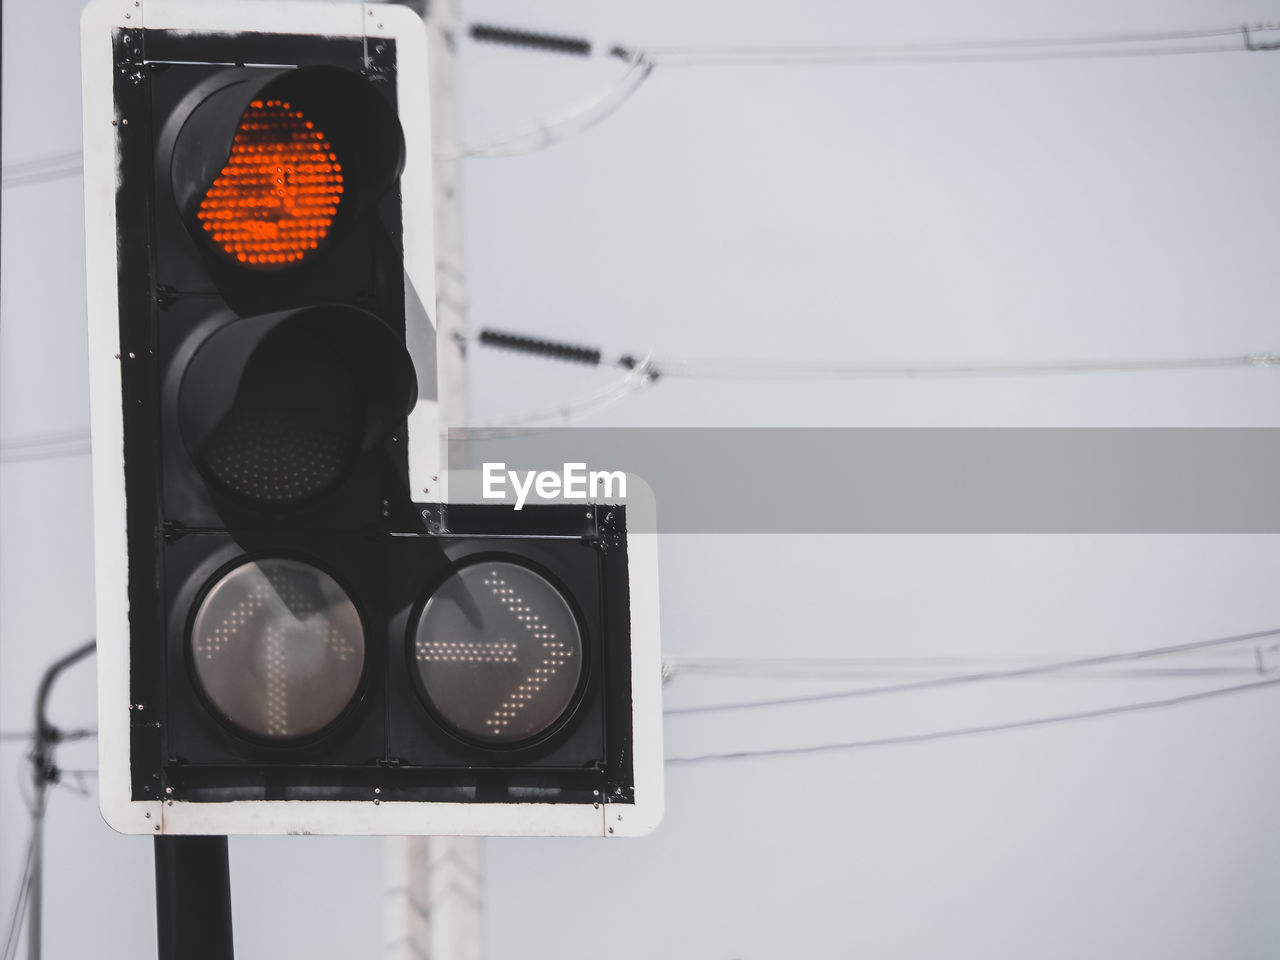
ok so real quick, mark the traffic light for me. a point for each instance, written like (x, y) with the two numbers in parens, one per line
(294, 634)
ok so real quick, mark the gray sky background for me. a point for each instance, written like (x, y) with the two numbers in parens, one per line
(949, 213)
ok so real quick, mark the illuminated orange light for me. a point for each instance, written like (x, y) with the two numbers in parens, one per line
(279, 191)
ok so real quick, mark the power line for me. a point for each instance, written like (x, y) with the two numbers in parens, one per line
(642, 60)
(723, 368)
(726, 368)
(973, 731)
(1155, 43)
(821, 668)
(42, 169)
(19, 901)
(564, 414)
(872, 670)
(45, 446)
(982, 676)
(563, 126)
(54, 736)
(76, 442)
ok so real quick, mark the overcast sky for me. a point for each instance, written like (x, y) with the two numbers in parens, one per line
(1006, 212)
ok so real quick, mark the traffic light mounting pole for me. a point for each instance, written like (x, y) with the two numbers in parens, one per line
(193, 899)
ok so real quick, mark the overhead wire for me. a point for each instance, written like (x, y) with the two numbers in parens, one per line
(63, 736)
(1041, 669)
(875, 669)
(45, 446)
(43, 169)
(726, 368)
(642, 61)
(953, 733)
(564, 414)
(1075, 40)
(563, 126)
(14, 930)
(1088, 46)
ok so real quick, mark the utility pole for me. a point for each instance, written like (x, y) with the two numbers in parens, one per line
(44, 772)
(435, 885)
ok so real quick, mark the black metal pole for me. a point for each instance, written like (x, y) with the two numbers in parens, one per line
(193, 898)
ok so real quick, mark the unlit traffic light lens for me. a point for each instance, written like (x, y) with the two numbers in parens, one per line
(278, 648)
(294, 428)
(275, 200)
(498, 653)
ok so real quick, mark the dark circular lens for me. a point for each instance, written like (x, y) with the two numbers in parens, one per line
(498, 652)
(294, 428)
(278, 648)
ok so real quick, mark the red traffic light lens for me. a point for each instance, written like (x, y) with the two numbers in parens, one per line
(275, 200)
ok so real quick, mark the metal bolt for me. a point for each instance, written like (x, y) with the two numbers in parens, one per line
(148, 814)
(125, 121)
(132, 355)
(168, 789)
(169, 803)
(595, 793)
(595, 806)
(138, 707)
(128, 16)
(376, 800)
(619, 816)
(611, 829)
(377, 789)
(158, 828)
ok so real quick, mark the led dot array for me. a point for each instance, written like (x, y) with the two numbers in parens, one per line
(277, 663)
(277, 459)
(213, 643)
(556, 653)
(275, 200)
(276, 640)
(500, 651)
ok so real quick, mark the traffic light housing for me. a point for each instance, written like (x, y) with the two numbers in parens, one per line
(293, 635)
